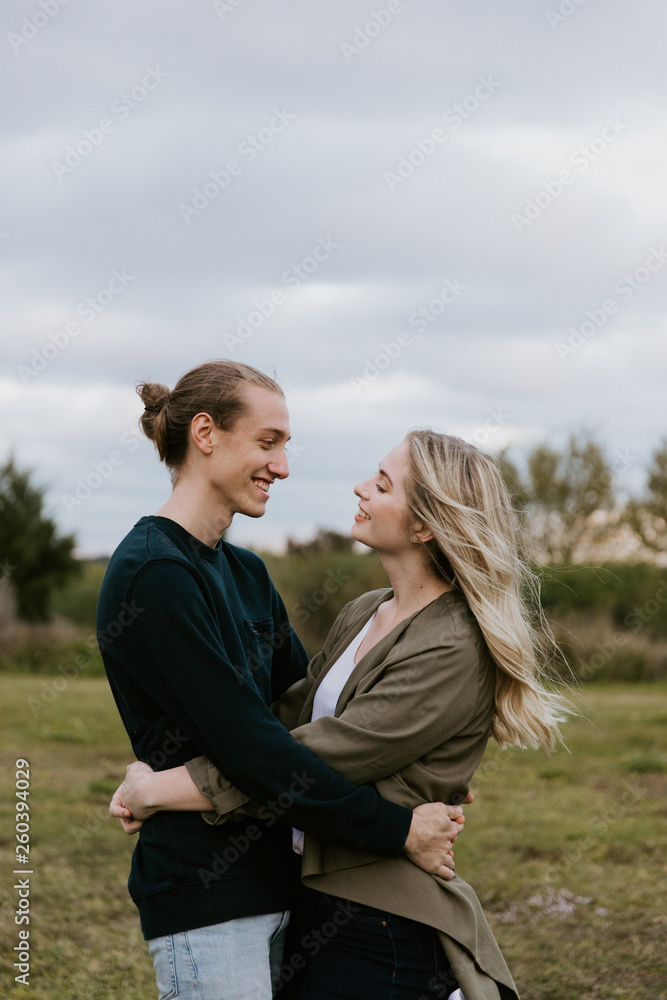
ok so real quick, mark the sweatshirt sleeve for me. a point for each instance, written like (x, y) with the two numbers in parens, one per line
(178, 658)
(420, 701)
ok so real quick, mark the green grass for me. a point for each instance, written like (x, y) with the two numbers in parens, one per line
(563, 851)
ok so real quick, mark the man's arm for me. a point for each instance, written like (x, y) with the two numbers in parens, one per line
(416, 704)
(184, 668)
(433, 829)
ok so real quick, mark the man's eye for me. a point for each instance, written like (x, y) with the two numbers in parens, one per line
(269, 441)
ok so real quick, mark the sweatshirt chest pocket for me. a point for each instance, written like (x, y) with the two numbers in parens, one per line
(260, 640)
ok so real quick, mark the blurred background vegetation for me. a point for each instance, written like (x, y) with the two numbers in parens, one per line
(602, 564)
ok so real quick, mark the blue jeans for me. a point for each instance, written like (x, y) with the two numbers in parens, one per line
(235, 960)
(345, 951)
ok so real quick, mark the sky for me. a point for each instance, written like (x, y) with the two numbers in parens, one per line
(439, 213)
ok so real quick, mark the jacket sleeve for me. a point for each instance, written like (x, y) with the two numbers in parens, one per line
(184, 668)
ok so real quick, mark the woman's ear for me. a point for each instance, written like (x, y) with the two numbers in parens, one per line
(420, 534)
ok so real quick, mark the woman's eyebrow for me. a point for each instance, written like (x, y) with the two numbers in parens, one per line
(386, 476)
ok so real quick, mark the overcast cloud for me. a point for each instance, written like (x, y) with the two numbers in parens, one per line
(459, 209)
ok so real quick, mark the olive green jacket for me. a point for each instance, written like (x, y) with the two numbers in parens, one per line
(413, 719)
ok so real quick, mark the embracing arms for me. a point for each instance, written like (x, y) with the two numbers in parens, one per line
(254, 748)
(397, 715)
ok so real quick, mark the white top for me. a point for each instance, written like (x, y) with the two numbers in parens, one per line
(327, 695)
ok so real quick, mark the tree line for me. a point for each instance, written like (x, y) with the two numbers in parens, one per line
(566, 499)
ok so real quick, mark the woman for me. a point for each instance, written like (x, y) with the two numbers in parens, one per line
(405, 693)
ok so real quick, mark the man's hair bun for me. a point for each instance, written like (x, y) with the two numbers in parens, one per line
(153, 420)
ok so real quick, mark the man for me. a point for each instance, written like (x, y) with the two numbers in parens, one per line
(196, 644)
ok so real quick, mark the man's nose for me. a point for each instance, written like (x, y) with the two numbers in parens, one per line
(279, 467)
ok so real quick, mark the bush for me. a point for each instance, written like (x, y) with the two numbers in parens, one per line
(35, 653)
(316, 585)
(632, 595)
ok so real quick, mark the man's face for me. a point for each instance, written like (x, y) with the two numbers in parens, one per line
(251, 455)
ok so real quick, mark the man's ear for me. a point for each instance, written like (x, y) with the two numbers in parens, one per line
(203, 432)
(420, 534)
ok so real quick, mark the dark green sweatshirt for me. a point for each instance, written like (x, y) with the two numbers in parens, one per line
(196, 644)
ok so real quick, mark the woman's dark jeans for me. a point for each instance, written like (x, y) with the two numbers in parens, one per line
(340, 950)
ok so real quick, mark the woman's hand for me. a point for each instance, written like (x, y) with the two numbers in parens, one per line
(119, 811)
(145, 792)
(131, 789)
(140, 790)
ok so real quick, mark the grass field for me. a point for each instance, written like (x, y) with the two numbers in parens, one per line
(564, 852)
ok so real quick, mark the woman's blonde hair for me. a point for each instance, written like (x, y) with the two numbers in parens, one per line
(457, 492)
(215, 388)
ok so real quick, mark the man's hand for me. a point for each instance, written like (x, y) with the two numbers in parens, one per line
(434, 829)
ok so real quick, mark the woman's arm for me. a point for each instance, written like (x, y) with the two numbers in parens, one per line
(417, 703)
(199, 785)
(148, 792)
(145, 792)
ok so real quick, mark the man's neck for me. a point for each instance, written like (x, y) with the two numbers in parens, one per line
(197, 514)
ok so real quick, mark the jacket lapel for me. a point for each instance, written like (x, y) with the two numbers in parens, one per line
(353, 628)
(375, 655)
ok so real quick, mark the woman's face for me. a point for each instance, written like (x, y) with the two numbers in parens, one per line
(383, 520)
